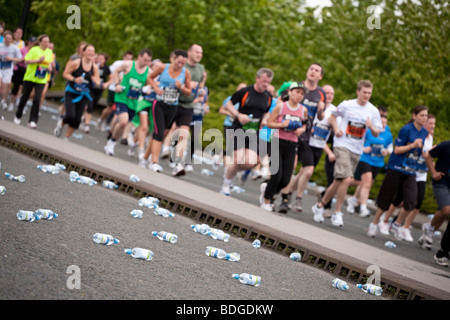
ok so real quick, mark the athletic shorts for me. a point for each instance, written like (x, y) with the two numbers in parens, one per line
(308, 155)
(442, 194)
(122, 108)
(183, 116)
(345, 164)
(6, 75)
(364, 167)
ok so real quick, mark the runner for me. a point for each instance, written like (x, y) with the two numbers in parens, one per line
(358, 115)
(287, 118)
(402, 168)
(136, 76)
(38, 61)
(174, 79)
(9, 54)
(80, 74)
(307, 154)
(255, 102)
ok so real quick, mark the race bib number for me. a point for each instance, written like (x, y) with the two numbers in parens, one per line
(41, 72)
(355, 130)
(149, 96)
(411, 160)
(83, 87)
(198, 108)
(171, 96)
(421, 164)
(321, 131)
(376, 150)
(5, 64)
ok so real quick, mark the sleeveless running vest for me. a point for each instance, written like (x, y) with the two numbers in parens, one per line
(132, 83)
(167, 83)
(81, 89)
(287, 113)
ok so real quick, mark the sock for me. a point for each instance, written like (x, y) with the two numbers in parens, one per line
(363, 207)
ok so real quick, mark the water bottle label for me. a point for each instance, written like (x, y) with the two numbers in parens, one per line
(167, 236)
(252, 280)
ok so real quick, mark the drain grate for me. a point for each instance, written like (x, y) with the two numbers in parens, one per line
(352, 274)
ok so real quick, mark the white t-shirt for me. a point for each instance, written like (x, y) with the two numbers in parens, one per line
(353, 124)
(112, 68)
(11, 51)
(322, 128)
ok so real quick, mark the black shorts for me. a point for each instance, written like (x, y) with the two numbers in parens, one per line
(183, 116)
(308, 155)
(163, 116)
(364, 167)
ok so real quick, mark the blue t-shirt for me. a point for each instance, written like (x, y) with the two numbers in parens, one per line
(227, 122)
(407, 162)
(375, 158)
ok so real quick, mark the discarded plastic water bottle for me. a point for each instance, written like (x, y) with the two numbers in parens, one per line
(137, 213)
(2, 190)
(295, 256)
(60, 165)
(234, 256)
(256, 244)
(134, 178)
(46, 214)
(109, 185)
(165, 236)
(216, 253)
(390, 245)
(140, 253)
(217, 234)
(20, 178)
(201, 228)
(25, 215)
(339, 284)
(74, 176)
(207, 172)
(163, 212)
(49, 169)
(249, 279)
(370, 288)
(106, 239)
(148, 202)
(237, 189)
(86, 180)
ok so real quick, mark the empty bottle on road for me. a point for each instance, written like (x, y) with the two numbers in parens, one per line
(165, 236)
(106, 239)
(249, 279)
(140, 253)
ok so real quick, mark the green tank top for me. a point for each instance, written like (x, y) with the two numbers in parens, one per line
(132, 83)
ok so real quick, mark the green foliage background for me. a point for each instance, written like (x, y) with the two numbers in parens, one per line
(406, 58)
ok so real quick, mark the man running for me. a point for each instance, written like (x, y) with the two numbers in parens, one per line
(136, 75)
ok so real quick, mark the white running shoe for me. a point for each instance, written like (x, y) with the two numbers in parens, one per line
(155, 167)
(143, 163)
(336, 219)
(131, 151)
(165, 152)
(178, 170)
(11, 107)
(372, 231)
(364, 213)
(262, 188)
(189, 168)
(226, 190)
(318, 213)
(109, 147)
(426, 239)
(86, 128)
(4, 105)
(32, 125)
(384, 227)
(16, 120)
(267, 207)
(351, 204)
(405, 234)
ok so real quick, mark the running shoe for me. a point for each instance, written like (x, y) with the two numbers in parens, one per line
(351, 204)
(165, 152)
(109, 147)
(441, 258)
(267, 207)
(16, 120)
(364, 213)
(143, 163)
(336, 219)
(426, 239)
(11, 107)
(87, 129)
(318, 213)
(178, 170)
(155, 167)
(256, 174)
(372, 230)
(384, 227)
(32, 125)
(226, 190)
(283, 208)
(405, 234)
(4, 105)
(188, 168)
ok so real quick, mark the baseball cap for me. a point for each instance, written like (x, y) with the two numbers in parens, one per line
(296, 85)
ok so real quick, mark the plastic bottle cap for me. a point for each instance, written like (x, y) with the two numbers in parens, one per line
(154, 233)
(128, 251)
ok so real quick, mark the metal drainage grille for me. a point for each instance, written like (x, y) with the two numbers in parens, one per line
(351, 274)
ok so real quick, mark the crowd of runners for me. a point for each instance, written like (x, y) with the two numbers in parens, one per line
(155, 108)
